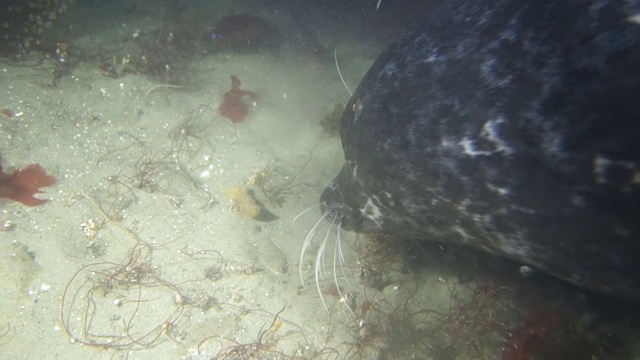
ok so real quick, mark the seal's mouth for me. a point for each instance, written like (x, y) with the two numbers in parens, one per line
(334, 205)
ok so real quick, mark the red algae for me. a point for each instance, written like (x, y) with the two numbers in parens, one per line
(531, 336)
(234, 105)
(23, 184)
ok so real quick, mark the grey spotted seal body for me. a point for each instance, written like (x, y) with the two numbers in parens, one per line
(512, 126)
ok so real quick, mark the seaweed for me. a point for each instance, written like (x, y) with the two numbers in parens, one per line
(455, 309)
(154, 169)
(132, 304)
(275, 184)
(6, 332)
(331, 120)
(266, 344)
(130, 286)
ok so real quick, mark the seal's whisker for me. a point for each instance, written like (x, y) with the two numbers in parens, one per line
(304, 212)
(337, 250)
(335, 57)
(320, 269)
(306, 243)
(341, 254)
(318, 266)
(323, 247)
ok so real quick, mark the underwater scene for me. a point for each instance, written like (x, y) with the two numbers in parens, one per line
(224, 179)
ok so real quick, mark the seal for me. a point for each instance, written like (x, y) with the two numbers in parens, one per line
(512, 126)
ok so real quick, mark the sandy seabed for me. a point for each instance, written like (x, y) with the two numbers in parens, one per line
(140, 253)
(175, 233)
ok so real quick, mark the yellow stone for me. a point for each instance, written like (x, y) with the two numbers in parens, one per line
(243, 202)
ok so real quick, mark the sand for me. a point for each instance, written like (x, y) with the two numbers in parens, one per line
(174, 233)
(139, 253)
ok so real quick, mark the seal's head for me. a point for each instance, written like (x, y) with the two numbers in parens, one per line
(348, 207)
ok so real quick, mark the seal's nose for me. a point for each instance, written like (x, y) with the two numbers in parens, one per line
(331, 196)
(334, 205)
